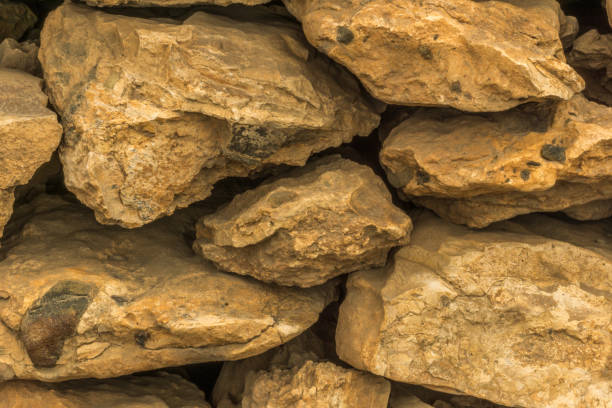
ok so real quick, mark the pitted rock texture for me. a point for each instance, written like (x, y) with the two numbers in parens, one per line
(152, 391)
(170, 3)
(15, 19)
(478, 169)
(331, 217)
(20, 56)
(156, 113)
(29, 133)
(82, 300)
(428, 52)
(591, 55)
(519, 314)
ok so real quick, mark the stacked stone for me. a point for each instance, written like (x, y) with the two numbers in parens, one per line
(455, 291)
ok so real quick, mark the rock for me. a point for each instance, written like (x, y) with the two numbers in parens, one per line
(153, 391)
(156, 113)
(316, 385)
(595, 210)
(332, 217)
(519, 314)
(29, 133)
(15, 20)
(20, 56)
(478, 169)
(170, 3)
(426, 52)
(82, 300)
(609, 11)
(569, 30)
(591, 55)
(406, 401)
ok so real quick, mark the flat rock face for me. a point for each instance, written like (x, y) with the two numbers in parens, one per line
(15, 19)
(409, 52)
(20, 56)
(156, 112)
(333, 216)
(478, 169)
(159, 391)
(519, 314)
(170, 3)
(82, 300)
(315, 385)
(29, 133)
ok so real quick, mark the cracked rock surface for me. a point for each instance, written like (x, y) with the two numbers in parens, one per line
(331, 217)
(478, 169)
(518, 314)
(426, 52)
(82, 300)
(157, 112)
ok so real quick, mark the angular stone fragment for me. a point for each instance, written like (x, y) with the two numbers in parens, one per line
(591, 55)
(170, 3)
(478, 169)
(595, 210)
(20, 56)
(333, 216)
(29, 133)
(156, 113)
(470, 55)
(15, 19)
(519, 314)
(82, 300)
(152, 391)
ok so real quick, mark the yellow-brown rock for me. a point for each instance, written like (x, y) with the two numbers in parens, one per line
(470, 55)
(170, 3)
(331, 217)
(519, 314)
(595, 210)
(82, 300)
(591, 55)
(151, 391)
(157, 112)
(609, 11)
(20, 56)
(478, 169)
(15, 19)
(29, 133)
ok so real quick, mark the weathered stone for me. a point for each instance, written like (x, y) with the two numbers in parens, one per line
(595, 210)
(609, 11)
(591, 55)
(156, 113)
(15, 19)
(170, 3)
(29, 133)
(406, 400)
(152, 391)
(478, 169)
(519, 314)
(426, 52)
(333, 216)
(20, 56)
(82, 300)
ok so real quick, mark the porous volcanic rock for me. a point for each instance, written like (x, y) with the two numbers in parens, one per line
(477, 169)
(15, 19)
(82, 300)
(20, 56)
(29, 133)
(331, 217)
(157, 112)
(519, 314)
(591, 55)
(470, 55)
(151, 391)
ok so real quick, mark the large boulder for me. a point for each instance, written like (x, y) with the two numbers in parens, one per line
(332, 217)
(29, 134)
(519, 314)
(157, 112)
(82, 300)
(470, 55)
(478, 169)
(151, 391)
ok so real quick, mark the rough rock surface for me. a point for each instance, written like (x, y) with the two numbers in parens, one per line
(333, 216)
(152, 391)
(15, 19)
(595, 210)
(426, 52)
(82, 300)
(20, 56)
(591, 55)
(170, 3)
(609, 11)
(519, 314)
(478, 169)
(156, 113)
(29, 133)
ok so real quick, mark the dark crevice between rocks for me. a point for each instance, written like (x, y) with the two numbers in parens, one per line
(590, 14)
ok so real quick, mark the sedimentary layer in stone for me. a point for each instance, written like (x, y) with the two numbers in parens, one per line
(29, 133)
(331, 217)
(152, 391)
(20, 56)
(478, 169)
(591, 55)
(15, 19)
(470, 55)
(519, 314)
(81, 300)
(157, 112)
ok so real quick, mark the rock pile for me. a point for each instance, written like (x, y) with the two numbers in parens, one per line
(305, 203)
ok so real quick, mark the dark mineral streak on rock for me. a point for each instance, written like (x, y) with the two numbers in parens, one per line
(52, 319)
(345, 35)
